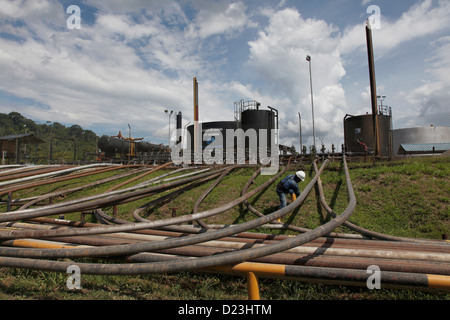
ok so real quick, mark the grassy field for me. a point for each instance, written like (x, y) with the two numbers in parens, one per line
(408, 198)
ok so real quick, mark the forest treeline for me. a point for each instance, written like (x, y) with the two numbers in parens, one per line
(67, 142)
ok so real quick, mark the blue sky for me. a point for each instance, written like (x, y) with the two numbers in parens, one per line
(131, 60)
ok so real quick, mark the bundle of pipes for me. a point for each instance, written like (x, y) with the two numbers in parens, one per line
(169, 245)
(337, 260)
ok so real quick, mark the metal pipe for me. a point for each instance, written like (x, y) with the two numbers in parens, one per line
(43, 175)
(60, 179)
(187, 264)
(366, 232)
(139, 177)
(373, 88)
(251, 238)
(88, 203)
(165, 244)
(234, 260)
(34, 200)
(136, 213)
(278, 221)
(214, 247)
(211, 187)
(314, 259)
(77, 207)
(197, 139)
(108, 194)
(28, 171)
(252, 285)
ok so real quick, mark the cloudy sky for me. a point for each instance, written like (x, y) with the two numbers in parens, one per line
(131, 60)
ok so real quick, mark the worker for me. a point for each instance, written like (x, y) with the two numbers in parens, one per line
(289, 185)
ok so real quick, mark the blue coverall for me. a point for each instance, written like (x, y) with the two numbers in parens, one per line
(287, 185)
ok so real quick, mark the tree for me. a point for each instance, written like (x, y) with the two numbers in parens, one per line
(15, 123)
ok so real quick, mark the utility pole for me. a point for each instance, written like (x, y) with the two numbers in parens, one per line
(300, 126)
(308, 58)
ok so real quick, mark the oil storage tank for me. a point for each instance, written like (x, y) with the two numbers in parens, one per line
(423, 139)
(248, 115)
(259, 119)
(359, 134)
(210, 131)
(113, 147)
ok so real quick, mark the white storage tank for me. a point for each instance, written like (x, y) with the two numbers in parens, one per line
(423, 137)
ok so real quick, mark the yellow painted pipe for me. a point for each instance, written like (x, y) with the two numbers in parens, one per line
(253, 288)
(263, 269)
(438, 281)
(251, 269)
(42, 244)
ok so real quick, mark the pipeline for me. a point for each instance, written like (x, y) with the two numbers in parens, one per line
(28, 171)
(136, 213)
(53, 173)
(339, 276)
(278, 222)
(34, 200)
(192, 264)
(136, 248)
(316, 253)
(139, 177)
(231, 249)
(91, 202)
(363, 231)
(204, 195)
(69, 176)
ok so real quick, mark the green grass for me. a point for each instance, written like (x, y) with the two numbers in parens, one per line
(408, 198)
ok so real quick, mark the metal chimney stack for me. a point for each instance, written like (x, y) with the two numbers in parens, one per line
(373, 88)
(197, 134)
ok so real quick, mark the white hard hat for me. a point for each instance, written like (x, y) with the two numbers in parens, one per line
(301, 175)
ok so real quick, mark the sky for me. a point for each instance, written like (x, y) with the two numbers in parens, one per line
(123, 63)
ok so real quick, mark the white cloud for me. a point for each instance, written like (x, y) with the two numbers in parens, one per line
(418, 21)
(221, 17)
(121, 68)
(279, 56)
(86, 77)
(127, 64)
(434, 95)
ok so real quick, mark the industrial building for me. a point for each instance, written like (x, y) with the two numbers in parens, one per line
(372, 134)
(359, 137)
(248, 116)
(421, 140)
(11, 147)
(359, 134)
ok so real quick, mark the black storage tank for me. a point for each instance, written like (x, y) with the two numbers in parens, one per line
(215, 128)
(113, 147)
(259, 119)
(359, 135)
